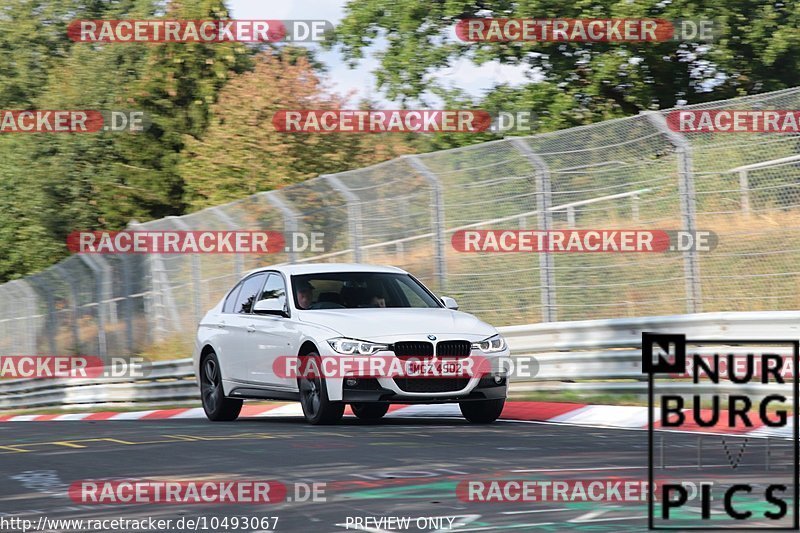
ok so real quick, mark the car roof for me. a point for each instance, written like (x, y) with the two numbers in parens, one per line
(324, 268)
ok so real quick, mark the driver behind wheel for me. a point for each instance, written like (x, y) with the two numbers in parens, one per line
(304, 291)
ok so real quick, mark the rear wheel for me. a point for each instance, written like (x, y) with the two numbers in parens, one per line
(317, 408)
(482, 411)
(218, 408)
(370, 411)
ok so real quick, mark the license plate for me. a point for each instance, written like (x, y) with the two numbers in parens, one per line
(434, 368)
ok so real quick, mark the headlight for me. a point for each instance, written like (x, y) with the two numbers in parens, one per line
(493, 344)
(354, 346)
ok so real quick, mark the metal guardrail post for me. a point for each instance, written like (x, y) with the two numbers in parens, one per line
(544, 215)
(160, 308)
(744, 191)
(127, 275)
(51, 322)
(27, 299)
(238, 260)
(437, 205)
(163, 302)
(289, 218)
(571, 217)
(100, 276)
(76, 337)
(107, 293)
(683, 150)
(197, 295)
(353, 213)
(15, 300)
(197, 288)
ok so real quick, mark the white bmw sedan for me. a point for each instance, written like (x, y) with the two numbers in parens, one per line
(313, 314)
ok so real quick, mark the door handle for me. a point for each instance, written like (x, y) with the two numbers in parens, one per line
(251, 328)
(221, 324)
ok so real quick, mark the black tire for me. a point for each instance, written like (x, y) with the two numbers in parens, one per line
(482, 411)
(370, 411)
(218, 408)
(317, 408)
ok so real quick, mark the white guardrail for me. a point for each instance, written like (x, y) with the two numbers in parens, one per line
(589, 356)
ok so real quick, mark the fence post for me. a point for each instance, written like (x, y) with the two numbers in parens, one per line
(238, 260)
(289, 219)
(102, 284)
(162, 301)
(160, 307)
(437, 206)
(683, 150)
(353, 213)
(51, 321)
(744, 191)
(108, 288)
(196, 274)
(27, 297)
(571, 217)
(544, 201)
(30, 304)
(127, 276)
(76, 336)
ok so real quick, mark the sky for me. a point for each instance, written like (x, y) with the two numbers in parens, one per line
(475, 80)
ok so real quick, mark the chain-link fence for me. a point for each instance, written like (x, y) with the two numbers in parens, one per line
(632, 173)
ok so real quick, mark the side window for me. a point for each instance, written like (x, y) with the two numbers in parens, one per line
(248, 293)
(274, 288)
(230, 301)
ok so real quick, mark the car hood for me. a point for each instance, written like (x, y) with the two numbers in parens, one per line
(387, 324)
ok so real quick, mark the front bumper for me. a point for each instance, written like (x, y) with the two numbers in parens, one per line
(369, 390)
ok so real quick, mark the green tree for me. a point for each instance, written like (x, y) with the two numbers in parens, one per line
(176, 86)
(757, 49)
(242, 153)
(28, 245)
(101, 180)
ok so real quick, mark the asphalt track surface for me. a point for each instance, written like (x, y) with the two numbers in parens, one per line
(402, 467)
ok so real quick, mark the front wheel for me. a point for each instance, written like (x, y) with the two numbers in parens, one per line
(482, 411)
(218, 408)
(370, 411)
(317, 408)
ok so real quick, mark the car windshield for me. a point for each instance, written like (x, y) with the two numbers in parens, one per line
(351, 290)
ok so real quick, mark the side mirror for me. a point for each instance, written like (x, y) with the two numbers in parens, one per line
(271, 306)
(449, 303)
